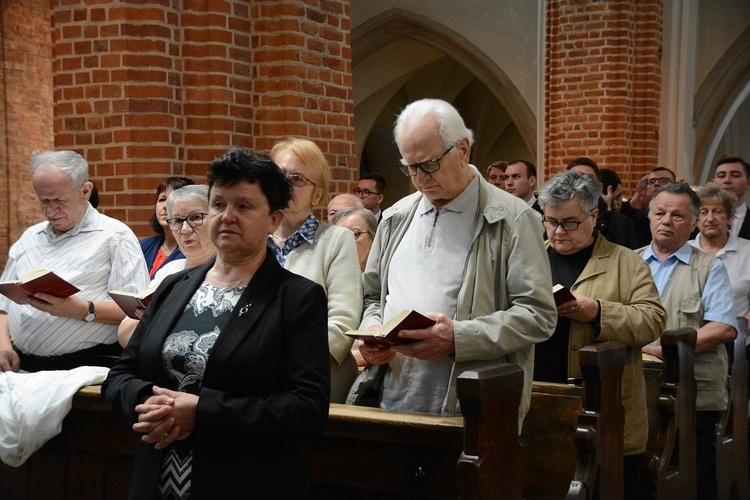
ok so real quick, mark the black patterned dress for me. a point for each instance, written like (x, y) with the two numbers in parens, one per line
(185, 354)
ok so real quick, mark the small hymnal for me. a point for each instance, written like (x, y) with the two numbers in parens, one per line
(562, 295)
(388, 335)
(129, 301)
(38, 280)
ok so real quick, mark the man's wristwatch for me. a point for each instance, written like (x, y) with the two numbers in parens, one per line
(91, 316)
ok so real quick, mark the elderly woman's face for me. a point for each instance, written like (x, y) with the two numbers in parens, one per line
(361, 237)
(306, 196)
(239, 221)
(568, 242)
(192, 240)
(713, 220)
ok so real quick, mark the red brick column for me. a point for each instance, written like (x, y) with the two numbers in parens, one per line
(302, 83)
(161, 87)
(602, 84)
(25, 111)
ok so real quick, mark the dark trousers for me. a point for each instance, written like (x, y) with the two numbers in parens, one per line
(632, 466)
(705, 441)
(98, 355)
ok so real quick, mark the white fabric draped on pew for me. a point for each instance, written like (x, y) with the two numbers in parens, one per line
(33, 406)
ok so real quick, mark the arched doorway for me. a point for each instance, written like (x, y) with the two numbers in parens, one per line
(722, 104)
(399, 57)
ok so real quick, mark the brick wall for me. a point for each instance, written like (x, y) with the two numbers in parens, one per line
(602, 84)
(154, 88)
(25, 111)
(303, 81)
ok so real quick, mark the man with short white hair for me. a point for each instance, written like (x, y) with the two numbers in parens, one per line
(92, 251)
(460, 252)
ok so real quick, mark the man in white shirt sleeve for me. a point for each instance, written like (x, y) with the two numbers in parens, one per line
(92, 251)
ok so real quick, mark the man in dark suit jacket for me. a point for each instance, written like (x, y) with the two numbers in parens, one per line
(614, 227)
(521, 181)
(732, 174)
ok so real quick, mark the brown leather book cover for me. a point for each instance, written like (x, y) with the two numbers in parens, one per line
(39, 280)
(388, 335)
(562, 295)
(129, 301)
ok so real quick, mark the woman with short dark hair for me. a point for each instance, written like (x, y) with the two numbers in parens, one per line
(226, 375)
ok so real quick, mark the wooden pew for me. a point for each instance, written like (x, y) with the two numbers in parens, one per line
(549, 427)
(558, 439)
(599, 434)
(731, 433)
(366, 452)
(670, 454)
(484, 469)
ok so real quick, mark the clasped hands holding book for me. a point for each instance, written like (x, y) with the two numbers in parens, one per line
(436, 339)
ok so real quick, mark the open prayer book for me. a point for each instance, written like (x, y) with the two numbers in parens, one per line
(562, 294)
(129, 301)
(388, 335)
(39, 280)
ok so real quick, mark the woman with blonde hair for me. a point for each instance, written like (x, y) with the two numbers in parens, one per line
(321, 252)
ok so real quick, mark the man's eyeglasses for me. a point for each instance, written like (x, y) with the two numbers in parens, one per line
(659, 181)
(193, 220)
(299, 180)
(567, 225)
(363, 193)
(427, 167)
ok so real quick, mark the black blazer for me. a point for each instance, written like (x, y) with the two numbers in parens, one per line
(745, 227)
(265, 390)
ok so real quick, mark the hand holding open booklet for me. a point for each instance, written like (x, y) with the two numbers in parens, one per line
(388, 335)
(129, 301)
(36, 281)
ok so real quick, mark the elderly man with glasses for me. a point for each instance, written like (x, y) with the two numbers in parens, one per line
(460, 252)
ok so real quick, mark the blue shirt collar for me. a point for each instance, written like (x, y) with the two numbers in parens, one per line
(304, 233)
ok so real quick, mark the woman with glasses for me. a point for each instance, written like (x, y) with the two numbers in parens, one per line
(162, 248)
(187, 208)
(363, 224)
(321, 252)
(226, 377)
(615, 299)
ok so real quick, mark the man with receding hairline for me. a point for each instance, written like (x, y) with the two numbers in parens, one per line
(341, 201)
(460, 252)
(92, 251)
(694, 288)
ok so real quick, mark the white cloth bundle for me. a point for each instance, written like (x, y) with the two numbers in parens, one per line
(33, 406)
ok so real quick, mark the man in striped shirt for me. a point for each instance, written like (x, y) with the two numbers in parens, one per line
(92, 251)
